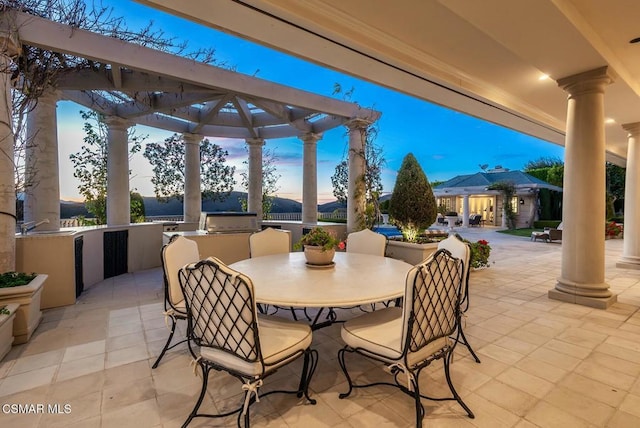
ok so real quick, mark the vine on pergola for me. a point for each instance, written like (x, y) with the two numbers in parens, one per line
(35, 70)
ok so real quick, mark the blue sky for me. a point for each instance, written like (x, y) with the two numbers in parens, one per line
(446, 143)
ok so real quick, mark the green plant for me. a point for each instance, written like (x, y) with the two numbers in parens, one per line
(612, 229)
(412, 204)
(15, 279)
(319, 237)
(480, 252)
(508, 190)
(4, 311)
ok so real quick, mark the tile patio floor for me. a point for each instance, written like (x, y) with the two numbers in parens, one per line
(544, 363)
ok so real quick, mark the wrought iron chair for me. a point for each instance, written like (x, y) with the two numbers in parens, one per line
(367, 242)
(269, 241)
(224, 322)
(410, 338)
(178, 252)
(265, 243)
(462, 251)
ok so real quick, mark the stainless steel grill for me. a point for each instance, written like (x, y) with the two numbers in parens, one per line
(228, 222)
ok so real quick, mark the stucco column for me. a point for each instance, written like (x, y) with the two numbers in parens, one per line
(356, 198)
(254, 197)
(118, 199)
(192, 202)
(310, 178)
(583, 213)
(631, 246)
(9, 47)
(42, 172)
(465, 210)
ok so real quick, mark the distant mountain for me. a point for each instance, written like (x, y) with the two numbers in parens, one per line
(152, 207)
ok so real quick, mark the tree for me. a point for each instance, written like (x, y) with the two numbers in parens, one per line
(90, 163)
(543, 162)
(167, 160)
(270, 178)
(615, 187)
(412, 204)
(508, 190)
(137, 208)
(339, 181)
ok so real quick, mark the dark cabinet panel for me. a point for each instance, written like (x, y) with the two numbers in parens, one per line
(115, 253)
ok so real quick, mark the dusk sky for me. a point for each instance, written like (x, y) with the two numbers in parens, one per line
(446, 143)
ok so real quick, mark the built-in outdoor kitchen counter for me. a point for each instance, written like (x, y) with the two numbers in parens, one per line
(79, 257)
(224, 235)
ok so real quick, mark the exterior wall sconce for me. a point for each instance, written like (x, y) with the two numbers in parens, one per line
(521, 201)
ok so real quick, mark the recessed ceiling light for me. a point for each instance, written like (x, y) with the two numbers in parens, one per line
(609, 121)
(636, 40)
(543, 77)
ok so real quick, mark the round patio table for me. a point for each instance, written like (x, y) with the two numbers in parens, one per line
(355, 279)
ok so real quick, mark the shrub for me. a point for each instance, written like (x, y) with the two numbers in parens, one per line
(15, 279)
(412, 204)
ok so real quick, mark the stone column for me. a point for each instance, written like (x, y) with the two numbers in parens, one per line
(192, 194)
(465, 211)
(310, 178)
(581, 279)
(42, 173)
(9, 47)
(254, 197)
(118, 199)
(356, 198)
(631, 246)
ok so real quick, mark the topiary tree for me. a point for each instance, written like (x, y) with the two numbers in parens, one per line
(508, 190)
(412, 204)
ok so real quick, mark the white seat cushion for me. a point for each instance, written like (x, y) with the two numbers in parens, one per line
(379, 333)
(281, 340)
(180, 309)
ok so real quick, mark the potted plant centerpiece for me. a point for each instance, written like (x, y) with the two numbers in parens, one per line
(25, 290)
(319, 247)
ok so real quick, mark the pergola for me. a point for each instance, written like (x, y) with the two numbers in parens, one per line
(131, 84)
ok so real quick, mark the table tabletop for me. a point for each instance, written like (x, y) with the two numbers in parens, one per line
(355, 279)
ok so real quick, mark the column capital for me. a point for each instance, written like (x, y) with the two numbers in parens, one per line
(358, 123)
(311, 137)
(255, 141)
(592, 81)
(116, 122)
(632, 128)
(189, 138)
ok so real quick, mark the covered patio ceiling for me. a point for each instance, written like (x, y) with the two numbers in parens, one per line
(177, 94)
(481, 58)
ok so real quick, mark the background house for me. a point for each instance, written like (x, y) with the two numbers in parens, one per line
(488, 203)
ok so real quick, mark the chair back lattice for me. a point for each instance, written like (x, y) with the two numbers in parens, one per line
(221, 308)
(432, 300)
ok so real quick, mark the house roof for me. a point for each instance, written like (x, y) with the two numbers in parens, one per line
(478, 182)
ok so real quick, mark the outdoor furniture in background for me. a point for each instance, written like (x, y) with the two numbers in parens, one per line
(409, 339)
(535, 235)
(462, 251)
(475, 220)
(366, 242)
(224, 322)
(178, 252)
(554, 234)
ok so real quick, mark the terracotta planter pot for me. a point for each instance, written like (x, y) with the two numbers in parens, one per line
(28, 315)
(6, 329)
(318, 255)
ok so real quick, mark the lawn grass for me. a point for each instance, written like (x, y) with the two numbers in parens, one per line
(519, 232)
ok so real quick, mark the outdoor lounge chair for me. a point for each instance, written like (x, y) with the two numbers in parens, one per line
(224, 323)
(554, 234)
(408, 339)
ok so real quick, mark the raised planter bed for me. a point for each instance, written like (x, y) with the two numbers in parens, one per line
(28, 315)
(6, 328)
